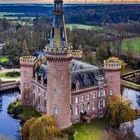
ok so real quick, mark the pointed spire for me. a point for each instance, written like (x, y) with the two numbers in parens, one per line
(58, 37)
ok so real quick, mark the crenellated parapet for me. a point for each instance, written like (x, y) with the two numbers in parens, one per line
(112, 63)
(27, 60)
(77, 54)
(59, 50)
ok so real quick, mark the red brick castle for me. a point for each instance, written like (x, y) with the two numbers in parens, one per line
(63, 86)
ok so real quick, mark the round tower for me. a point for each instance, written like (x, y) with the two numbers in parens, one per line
(26, 68)
(112, 67)
(59, 70)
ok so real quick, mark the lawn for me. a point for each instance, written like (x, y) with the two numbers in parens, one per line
(80, 26)
(11, 75)
(92, 131)
(4, 59)
(132, 42)
(22, 112)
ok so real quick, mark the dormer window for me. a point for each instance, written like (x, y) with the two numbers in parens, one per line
(77, 85)
(52, 32)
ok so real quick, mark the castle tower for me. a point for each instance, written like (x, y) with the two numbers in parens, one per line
(112, 67)
(59, 70)
(26, 68)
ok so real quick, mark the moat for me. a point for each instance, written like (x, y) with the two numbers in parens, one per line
(11, 127)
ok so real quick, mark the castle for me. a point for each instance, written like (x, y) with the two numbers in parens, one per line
(63, 86)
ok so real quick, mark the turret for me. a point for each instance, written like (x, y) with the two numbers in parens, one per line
(59, 56)
(26, 68)
(112, 67)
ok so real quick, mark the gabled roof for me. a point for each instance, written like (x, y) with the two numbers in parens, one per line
(86, 75)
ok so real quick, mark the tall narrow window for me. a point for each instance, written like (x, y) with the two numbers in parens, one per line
(77, 110)
(52, 32)
(45, 103)
(82, 98)
(71, 110)
(76, 100)
(88, 106)
(111, 92)
(82, 108)
(93, 105)
(87, 97)
(55, 110)
(25, 85)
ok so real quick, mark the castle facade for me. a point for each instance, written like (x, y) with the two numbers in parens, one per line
(63, 86)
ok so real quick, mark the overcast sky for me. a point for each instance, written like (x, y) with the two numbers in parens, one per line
(66, 1)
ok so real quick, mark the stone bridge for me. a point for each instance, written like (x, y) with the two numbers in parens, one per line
(9, 85)
(131, 79)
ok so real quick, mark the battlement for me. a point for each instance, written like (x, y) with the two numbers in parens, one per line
(59, 50)
(77, 54)
(27, 60)
(112, 63)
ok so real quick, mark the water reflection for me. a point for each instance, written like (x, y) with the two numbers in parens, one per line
(9, 127)
(133, 96)
(0, 103)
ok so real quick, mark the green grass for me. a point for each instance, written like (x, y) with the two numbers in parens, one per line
(22, 112)
(92, 131)
(29, 112)
(5, 75)
(132, 42)
(4, 60)
(80, 26)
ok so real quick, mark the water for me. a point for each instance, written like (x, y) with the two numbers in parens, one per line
(9, 127)
(132, 96)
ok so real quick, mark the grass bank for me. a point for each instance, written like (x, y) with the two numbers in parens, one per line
(92, 131)
(21, 112)
(80, 26)
(132, 42)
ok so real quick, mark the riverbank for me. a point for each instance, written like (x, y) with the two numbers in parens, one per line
(16, 110)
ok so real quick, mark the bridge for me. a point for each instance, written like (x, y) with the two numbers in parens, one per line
(131, 79)
(9, 85)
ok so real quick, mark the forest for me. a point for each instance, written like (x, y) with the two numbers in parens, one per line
(116, 31)
(93, 14)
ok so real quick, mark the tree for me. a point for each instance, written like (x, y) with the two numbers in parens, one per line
(43, 128)
(118, 111)
(125, 132)
(26, 128)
